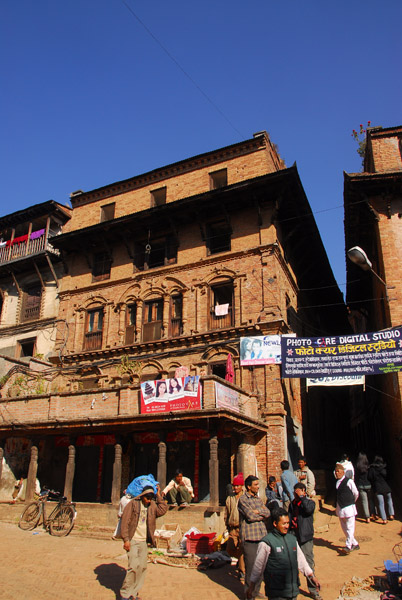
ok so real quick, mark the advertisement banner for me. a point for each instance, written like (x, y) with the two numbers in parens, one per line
(375, 353)
(261, 350)
(226, 397)
(336, 381)
(166, 395)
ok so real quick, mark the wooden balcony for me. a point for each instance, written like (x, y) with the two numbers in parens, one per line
(25, 248)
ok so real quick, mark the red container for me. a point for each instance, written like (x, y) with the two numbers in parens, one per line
(200, 543)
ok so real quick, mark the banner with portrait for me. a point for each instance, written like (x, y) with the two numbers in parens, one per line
(174, 394)
(261, 350)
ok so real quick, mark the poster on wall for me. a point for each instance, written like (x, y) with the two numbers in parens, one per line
(375, 353)
(226, 397)
(261, 350)
(174, 394)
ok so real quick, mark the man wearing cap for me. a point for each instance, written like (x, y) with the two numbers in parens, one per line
(234, 546)
(253, 515)
(138, 524)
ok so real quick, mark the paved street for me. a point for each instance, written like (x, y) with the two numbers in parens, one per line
(37, 566)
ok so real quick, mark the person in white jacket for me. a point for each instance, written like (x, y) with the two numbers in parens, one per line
(346, 496)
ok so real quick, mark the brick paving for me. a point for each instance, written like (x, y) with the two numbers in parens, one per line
(37, 566)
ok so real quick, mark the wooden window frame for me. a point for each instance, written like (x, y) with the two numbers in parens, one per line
(107, 212)
(176, 321)
(31, 304)
(93, 338)
(158, 197)
(217, 241)
(152, 330)
(102, 266)
(218, 179)
(221, 322)
(165, 245)
(130, 332)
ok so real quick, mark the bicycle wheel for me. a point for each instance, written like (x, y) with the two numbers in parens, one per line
(30, 517)
(63, 521)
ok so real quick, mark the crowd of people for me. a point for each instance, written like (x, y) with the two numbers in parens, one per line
(272, 539)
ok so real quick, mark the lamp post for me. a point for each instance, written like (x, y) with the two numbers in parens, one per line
(360, 258)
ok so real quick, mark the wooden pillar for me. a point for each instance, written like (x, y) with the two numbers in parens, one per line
(70, 470)
(32, 471)
(1, 461)
(116, 483)
(162, 465)
(214, 472)
(241, 459)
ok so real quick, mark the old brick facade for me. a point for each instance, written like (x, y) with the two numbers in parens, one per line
(147, 261)
(373, 213)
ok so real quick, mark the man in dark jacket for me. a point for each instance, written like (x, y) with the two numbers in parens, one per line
(278, 560)
(301, 515)
(138, 524)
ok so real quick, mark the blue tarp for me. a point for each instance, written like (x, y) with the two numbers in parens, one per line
(137, 485)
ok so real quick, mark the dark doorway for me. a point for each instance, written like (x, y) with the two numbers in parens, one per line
(86, 473)
(145, 460)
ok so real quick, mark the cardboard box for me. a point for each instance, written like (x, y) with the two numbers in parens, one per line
(168, 536)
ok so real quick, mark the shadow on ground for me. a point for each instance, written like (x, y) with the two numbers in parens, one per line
(111, 576)
(226, 577)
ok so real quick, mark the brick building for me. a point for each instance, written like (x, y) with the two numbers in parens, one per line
(30, 274)
(373, 213)
(166, 271)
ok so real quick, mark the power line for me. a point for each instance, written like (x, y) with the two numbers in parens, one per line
(178, 65)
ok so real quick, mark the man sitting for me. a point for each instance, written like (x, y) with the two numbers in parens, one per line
(179, 489)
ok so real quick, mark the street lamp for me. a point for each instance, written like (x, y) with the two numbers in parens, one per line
(360, 258)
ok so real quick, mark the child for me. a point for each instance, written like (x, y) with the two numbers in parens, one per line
(346, 496)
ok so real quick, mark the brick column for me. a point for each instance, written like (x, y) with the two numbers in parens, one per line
(116, 483)
(70, 470)
(32, 471)
(214, 472)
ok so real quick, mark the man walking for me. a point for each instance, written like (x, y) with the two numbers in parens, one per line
(253, 514)
(301, 515)
(288, 480)
(138, 524)
(278, 560)
(232, 521)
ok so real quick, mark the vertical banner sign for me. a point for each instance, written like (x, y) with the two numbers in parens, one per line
(375, 353)
(166, 395)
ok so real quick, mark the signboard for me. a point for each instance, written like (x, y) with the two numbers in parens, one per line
(336, 381)
(226, 397)
(358, 354)
(166, 395)
(260, 350)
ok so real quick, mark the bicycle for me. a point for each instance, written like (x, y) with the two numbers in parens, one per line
(60, 521)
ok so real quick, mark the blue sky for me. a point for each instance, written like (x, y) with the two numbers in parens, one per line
(94, 91)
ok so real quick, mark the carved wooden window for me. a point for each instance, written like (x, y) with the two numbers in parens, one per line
(31, 302)
(131, 318)
(176, 316)
(155, 253)
(221, 313)
(94, 326)
(153, 320)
